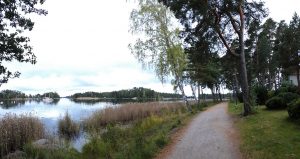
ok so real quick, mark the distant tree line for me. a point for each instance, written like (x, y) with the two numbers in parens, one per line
(138, 93)
(9, 94)
(13, 94)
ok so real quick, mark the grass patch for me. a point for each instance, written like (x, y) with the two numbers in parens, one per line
(16, 131)
(267, 134)
(33, 152)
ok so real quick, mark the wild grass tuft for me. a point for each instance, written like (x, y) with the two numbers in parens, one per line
(67, 127)
(16, 131)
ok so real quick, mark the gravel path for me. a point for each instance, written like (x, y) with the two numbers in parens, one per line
(209, 136)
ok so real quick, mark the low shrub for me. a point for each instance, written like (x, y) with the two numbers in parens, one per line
(16, 131)
(271, 94)
(288, 97)
(67, 127)
(33, 152)
(161, 140)
(288, 87)
(96, 148)
(276, 103)
(294, 109)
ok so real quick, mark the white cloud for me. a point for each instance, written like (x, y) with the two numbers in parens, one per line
(283, 10)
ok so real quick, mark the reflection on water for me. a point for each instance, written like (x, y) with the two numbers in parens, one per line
(6, 104)
(50, 113)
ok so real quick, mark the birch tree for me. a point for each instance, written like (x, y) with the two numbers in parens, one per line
(158, 45)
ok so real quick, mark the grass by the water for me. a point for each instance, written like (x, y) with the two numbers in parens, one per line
(267, 134)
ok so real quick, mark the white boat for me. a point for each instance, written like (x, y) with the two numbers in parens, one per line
(47, 100)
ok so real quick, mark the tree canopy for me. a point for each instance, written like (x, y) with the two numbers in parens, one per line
(14, 45)
(158, 45)
(220, 23)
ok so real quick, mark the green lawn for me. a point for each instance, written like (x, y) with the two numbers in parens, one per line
(267, 134)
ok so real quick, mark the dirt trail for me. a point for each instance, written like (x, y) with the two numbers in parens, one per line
(210, 135)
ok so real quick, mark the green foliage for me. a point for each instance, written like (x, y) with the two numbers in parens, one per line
(294, 109)
(10, 94)
(67, 127)
(288, 87)
(14, 46)
(33, 152)
(276, 103)
(271, 94)
(288, 46)
(288, 97)
(95, 149)
(261, 95)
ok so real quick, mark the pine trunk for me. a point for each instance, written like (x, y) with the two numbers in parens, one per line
(244, 78)
(298, 78)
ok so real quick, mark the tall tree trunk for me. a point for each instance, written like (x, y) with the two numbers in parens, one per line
(193, 91)
(198, 93)
(236, 86)
(219, 92)
(298, 77)
(184, 97)
(244, 78)
(203, 96)
(213, 94)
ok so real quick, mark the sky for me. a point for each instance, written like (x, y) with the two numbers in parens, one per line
(83, 46)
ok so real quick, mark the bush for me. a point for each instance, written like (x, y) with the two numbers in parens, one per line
(288, 87)
(288, 97)
(271, 94)
(16, 131)
(68, 128)
(261, 95)
(294, 109)
(33, 152)
(276, 103)
(96, 148)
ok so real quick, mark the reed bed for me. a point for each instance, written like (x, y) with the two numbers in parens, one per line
(67, 127)
(130, 112)
(16, 131)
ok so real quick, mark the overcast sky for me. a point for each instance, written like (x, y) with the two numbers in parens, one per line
(82, 46)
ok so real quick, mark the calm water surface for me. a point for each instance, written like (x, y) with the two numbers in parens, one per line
(50, 113)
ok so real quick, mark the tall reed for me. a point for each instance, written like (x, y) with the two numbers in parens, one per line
(129, 112)
(16, 131)
(67, 127)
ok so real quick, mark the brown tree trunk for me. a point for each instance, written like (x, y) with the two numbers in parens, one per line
(198, 93)
(244, 78)
(298, 78)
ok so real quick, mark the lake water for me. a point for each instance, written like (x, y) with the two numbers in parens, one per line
(50, 113)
